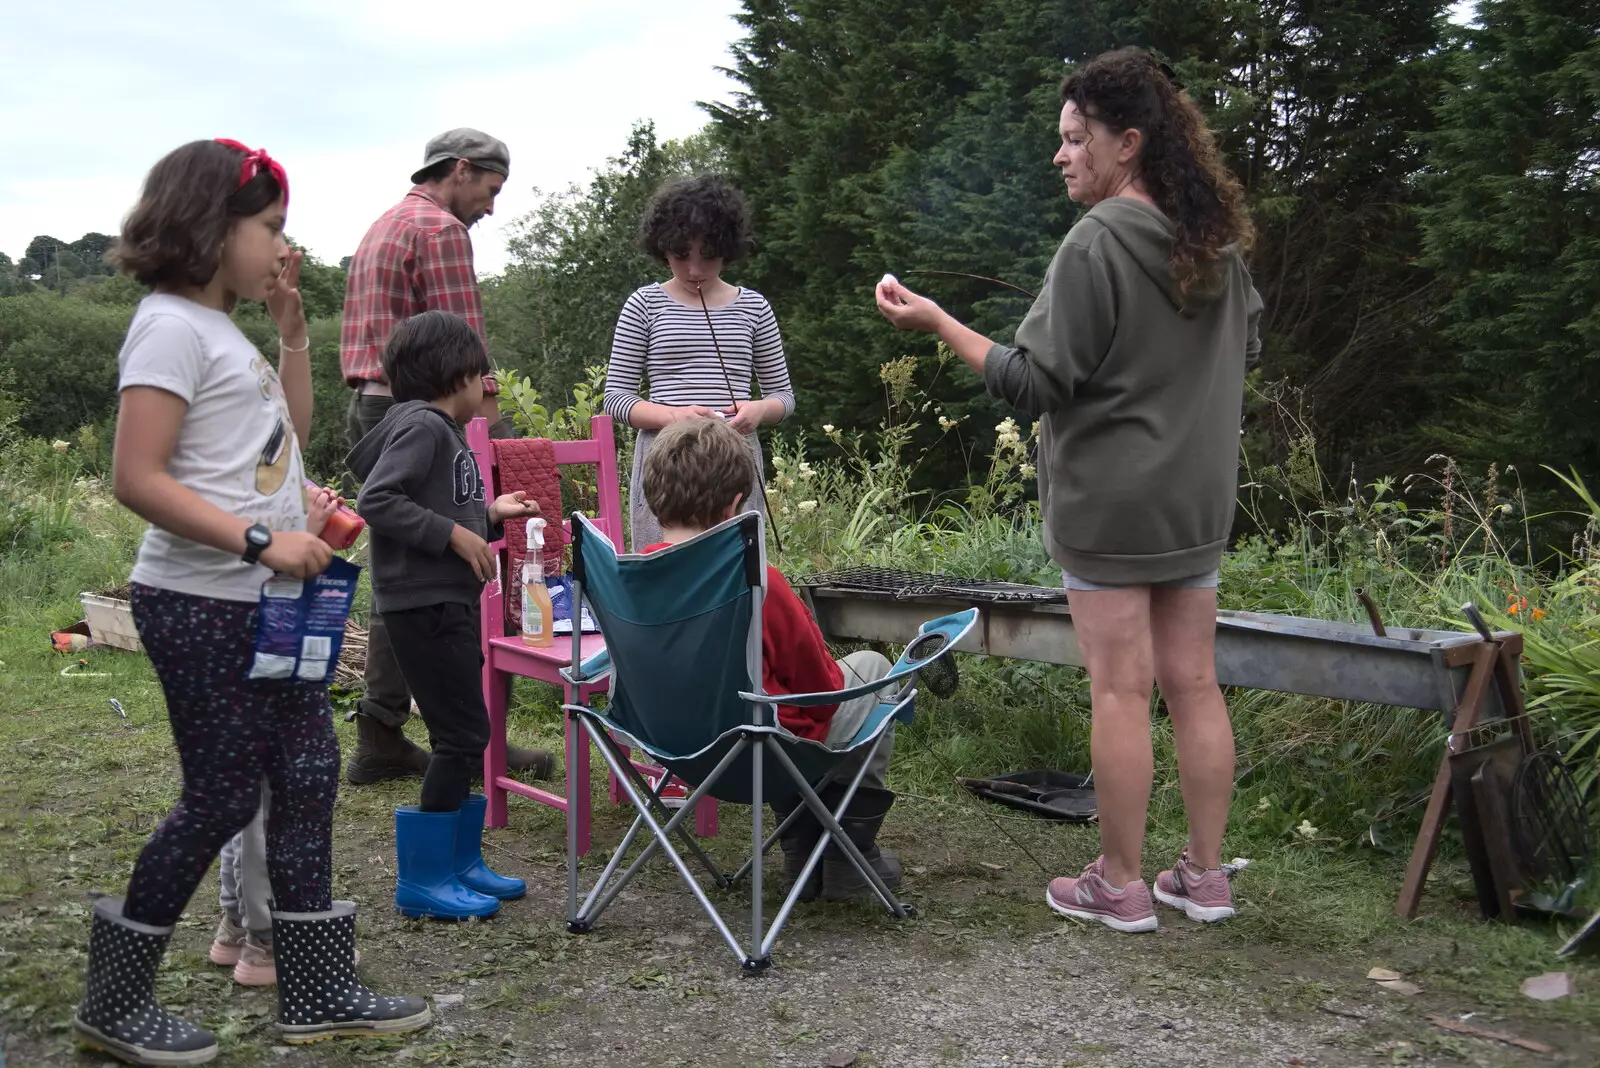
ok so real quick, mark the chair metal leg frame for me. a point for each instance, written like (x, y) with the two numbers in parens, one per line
(584, 918)
(690, 805)
(572, 824)
(592, 909)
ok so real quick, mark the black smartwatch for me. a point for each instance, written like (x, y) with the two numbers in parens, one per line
(256, 540)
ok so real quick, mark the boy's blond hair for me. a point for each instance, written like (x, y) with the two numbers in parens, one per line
(694, 471)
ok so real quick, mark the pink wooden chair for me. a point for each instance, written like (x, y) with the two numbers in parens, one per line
(504, 657)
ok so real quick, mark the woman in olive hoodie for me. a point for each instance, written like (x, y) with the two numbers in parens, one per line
(1133, 359)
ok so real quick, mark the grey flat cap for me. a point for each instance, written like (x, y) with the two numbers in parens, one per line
(474, 146)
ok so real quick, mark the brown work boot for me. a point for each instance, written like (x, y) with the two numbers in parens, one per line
(383, 753)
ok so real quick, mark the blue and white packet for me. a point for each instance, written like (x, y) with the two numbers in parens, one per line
(300, 623)
(560, 588)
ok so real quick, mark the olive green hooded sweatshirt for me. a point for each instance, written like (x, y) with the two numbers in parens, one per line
(1138, 392)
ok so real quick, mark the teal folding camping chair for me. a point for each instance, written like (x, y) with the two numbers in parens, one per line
(683, 648)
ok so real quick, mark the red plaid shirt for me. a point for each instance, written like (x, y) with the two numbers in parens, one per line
(417, 257)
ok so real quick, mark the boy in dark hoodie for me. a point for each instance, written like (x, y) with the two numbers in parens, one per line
(423, 500)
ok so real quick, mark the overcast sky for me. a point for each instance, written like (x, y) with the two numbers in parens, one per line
(344, 93)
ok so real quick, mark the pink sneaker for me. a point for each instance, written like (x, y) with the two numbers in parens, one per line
(257, 965)
(1204, 894)
(227, 944)
(1090, 897)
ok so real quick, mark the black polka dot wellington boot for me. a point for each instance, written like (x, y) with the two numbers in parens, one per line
(319, 995)
(119, 1014)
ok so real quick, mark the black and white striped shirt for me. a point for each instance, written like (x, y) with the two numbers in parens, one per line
(669, 343)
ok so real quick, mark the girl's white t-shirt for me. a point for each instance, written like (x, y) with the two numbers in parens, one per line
(236, 448)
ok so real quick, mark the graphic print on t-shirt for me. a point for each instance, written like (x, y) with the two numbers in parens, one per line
(236, 447)
(272, 469)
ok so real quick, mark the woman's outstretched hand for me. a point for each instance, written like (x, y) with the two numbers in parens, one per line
(907, 310)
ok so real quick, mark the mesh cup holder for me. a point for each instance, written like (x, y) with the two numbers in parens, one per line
(940, 677)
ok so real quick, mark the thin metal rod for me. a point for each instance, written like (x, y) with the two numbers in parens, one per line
(757, 810)
(615, 862)
(761, 476)
(574, 739)
(977, 277)
(1372, 611)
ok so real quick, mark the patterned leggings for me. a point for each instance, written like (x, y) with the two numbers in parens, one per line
(230, 731)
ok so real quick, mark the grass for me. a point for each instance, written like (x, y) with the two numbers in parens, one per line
(1326, 807)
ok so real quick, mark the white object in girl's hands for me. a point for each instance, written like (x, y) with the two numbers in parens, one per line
(890, 280)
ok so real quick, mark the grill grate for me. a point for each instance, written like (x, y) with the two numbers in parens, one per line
(904, 585)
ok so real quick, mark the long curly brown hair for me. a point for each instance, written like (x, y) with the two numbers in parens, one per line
(1129, 89)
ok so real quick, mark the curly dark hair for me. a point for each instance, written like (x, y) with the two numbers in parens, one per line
(173, 236)
(1130, 89)
(707, 208)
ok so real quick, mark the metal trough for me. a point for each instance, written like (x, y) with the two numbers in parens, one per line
(1287, 654)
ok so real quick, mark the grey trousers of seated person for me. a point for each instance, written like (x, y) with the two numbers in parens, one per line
(864, 666)
(246, 891)
(386, 699)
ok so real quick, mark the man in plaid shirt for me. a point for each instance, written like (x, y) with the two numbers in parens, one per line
(417, 257)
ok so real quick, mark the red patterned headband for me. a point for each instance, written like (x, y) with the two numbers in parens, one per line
(255, 161)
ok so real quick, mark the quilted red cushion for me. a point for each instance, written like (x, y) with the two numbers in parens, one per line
(529, 465)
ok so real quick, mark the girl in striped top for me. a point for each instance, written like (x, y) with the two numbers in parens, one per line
(670, 333)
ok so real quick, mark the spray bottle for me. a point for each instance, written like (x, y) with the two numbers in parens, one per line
(538, 616)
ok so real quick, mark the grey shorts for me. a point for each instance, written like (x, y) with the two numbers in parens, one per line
(1208, 581)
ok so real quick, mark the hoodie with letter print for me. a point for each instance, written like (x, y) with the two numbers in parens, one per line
(419, 481)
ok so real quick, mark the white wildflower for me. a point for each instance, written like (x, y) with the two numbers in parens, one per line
(806, 470)
(60, 446)
(946, 423)
(829, 428)
(1305, 830)
(1028, 471)
(808, 506)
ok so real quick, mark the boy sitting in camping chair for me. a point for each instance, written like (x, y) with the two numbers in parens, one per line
(696, 476)
(719, 674)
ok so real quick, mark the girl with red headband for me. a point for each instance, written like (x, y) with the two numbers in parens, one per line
(208, 450)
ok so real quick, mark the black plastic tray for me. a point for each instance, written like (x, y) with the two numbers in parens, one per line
(1056, 795)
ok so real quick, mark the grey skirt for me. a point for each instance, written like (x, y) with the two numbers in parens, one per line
(643, 529)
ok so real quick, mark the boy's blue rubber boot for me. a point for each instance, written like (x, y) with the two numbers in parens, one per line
(425, 845)
(470, 868)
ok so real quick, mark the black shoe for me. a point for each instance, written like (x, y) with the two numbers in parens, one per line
(119, 1013)
(538, 762)
(319, 995)
(841, 880)
(797, 843)
(384, 753)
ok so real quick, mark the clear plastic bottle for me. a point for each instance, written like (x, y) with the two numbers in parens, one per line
(538, 615)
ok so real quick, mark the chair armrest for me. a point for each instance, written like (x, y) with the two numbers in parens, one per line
(954, 627)
(597, 666)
